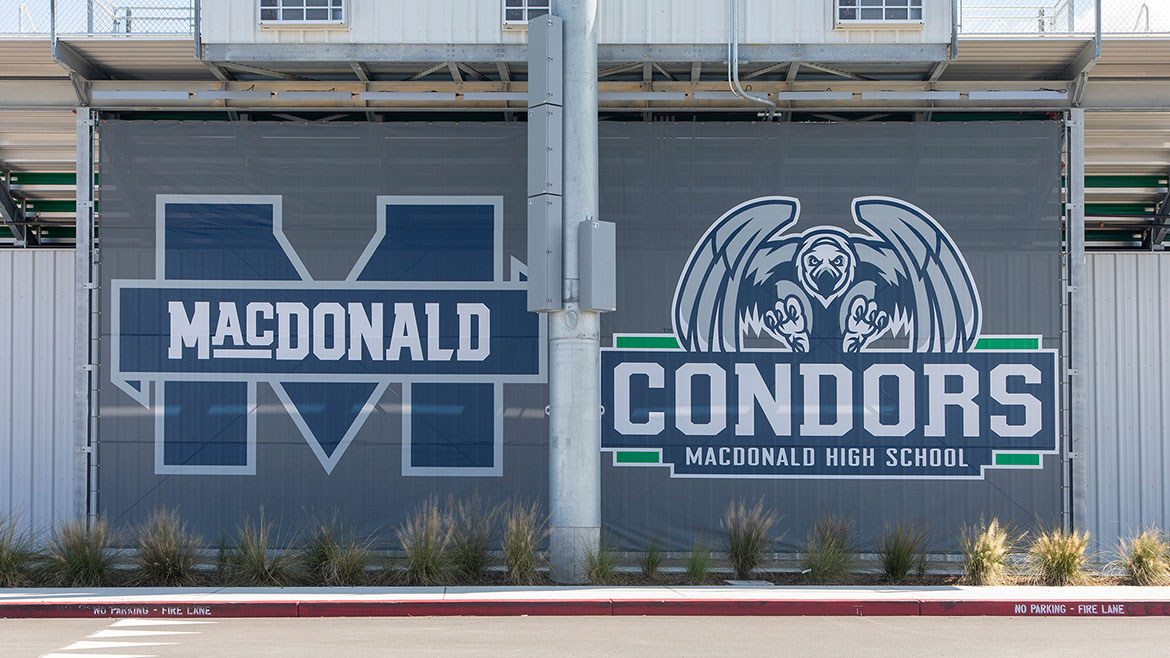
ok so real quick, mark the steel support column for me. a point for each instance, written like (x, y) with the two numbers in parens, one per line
(1078, 318)
(85, 334)
(574, 334)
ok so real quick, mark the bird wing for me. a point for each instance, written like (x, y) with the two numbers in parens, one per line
(706, 299)
(928, 289)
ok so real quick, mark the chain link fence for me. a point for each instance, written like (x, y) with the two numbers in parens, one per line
(117, 17)
(1135, 17)
(29, 18)
(1063, 17)
(97, 17)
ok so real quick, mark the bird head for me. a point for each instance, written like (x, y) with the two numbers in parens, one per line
(825, 263)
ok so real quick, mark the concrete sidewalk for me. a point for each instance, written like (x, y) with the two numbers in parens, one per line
(499, 601)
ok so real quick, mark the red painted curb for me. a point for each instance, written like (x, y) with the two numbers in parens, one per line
(765, 607)
(175, 610)
(1047, 608)
(508, 608)
(587, 607)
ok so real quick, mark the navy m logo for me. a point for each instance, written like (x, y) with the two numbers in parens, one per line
(425, 307)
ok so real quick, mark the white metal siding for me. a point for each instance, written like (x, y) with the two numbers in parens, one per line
(619, 22)
(36, 386)
(1129, 394)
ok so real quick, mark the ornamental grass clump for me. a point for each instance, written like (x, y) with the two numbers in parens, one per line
(471, 537)
(1145, 559)
(748, 536)
(17, 553)
(166, 552)
(80, 555)
(525, 527)
(601, 565)
(698, 562)
(1056, 557)
(902, 548)
(250, 562)
(830, 555)
(333, 556)
(987, 548)
(425, 537)
(651, 559)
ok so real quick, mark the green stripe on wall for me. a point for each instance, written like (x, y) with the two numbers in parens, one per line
(637, 457)
(1120, 209)
(1017, 460)
(670, 343)
(647, 342)
(1007, 344)
(46, 178)
(1124, 181)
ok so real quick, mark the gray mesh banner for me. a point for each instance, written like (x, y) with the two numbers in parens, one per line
(304, 318)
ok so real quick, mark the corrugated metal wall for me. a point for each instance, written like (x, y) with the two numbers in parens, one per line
(36, 386)
(1129, 394)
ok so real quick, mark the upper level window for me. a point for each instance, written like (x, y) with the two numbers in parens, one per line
(879, 11)
(519, 12)
(300, 12)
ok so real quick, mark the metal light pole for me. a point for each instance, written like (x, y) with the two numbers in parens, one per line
(574, 334)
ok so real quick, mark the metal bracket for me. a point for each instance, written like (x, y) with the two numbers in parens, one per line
(86, 450)
(1071, 288)
(90, 286)
(1072, 455)
(89, 367)
(1073, 372)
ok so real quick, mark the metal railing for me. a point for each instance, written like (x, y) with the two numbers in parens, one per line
(97, 17)
(1063, 17)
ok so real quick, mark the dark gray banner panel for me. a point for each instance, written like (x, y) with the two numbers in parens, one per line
(857, 319)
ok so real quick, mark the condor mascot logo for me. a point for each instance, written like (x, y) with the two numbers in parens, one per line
(828, 353)
(826, 288)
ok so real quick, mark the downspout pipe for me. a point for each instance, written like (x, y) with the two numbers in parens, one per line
(733, 64)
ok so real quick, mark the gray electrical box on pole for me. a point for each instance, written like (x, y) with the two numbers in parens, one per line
(545, 163)
(597, 247)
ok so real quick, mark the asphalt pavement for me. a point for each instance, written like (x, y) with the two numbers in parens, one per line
(904, 637)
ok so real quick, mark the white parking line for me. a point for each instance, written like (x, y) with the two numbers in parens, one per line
(113, 632)
(154, 622)
(96, 655)
(146, 629)
(93, 644)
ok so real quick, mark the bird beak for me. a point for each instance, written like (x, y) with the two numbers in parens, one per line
(825, 279)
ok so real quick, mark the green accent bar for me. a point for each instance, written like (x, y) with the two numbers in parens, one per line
(1112, 236)
(46, 178)
(60, 232)
(1119, 209)
(1125, 181)
(1007, 344)
(647, 342)
(5, 232)
(55, 205)
(637, 457)
(1017, 460)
